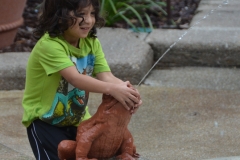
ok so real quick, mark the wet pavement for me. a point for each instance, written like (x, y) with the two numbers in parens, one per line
(173, 123)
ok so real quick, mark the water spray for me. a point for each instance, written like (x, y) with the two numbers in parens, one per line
(225, 2)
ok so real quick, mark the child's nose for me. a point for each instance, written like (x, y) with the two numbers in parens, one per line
(88, 18)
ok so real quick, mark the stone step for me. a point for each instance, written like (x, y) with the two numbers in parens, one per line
(196, 78)
(212, 47)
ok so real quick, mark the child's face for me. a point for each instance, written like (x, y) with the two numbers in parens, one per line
(80, 29)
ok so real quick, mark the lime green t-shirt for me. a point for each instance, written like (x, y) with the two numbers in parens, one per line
(47, 95)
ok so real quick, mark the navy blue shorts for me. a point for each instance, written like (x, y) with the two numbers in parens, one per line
(44, 139)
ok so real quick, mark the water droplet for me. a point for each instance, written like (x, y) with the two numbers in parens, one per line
(212, 10)
(220, 6)
(172, 45)
(205, 16)
(226, 45)
(216, 124)
(225, 2)
(222, 133)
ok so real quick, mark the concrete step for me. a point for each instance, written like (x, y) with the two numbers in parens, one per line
(196, 78)
(213, 39)
(221, 13)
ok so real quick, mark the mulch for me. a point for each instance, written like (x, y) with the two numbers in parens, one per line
(182, 13)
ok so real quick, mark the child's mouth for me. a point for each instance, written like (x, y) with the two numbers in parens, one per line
(84, 28)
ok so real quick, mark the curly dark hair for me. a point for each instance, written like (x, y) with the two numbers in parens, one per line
(52, 11)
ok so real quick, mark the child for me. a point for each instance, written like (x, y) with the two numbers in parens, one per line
(59, 75)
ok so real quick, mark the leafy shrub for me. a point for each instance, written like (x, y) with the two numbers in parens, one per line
(133, 12)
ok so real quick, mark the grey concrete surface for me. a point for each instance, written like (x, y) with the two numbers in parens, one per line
(128, 56)
(173, 123)
(188, 113)
(219, 11)
(196, 77)
(13, 70)
(226, 158)
(213, 38)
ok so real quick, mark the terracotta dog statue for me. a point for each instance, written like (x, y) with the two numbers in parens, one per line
(104, 135)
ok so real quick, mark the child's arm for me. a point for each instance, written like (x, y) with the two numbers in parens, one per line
(119, 90)
(108, 77)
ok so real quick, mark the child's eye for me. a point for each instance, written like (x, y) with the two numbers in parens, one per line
(79, 14)
(93, 13)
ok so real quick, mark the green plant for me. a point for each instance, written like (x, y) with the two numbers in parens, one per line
(129, 10)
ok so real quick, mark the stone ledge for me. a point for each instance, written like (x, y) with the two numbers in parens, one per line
(13, 70)
(129, 57)
(199, 47)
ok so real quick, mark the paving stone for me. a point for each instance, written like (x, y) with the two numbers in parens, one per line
(128, 56)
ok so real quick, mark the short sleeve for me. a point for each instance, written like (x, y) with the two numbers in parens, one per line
(101, 64)
(53, 56)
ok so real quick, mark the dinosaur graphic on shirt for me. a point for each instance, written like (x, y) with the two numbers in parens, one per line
(68, 107)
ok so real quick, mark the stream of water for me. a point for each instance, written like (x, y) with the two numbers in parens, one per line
(225, 2)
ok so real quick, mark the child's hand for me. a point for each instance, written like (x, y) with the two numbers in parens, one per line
(127, 95)
(136, 105)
